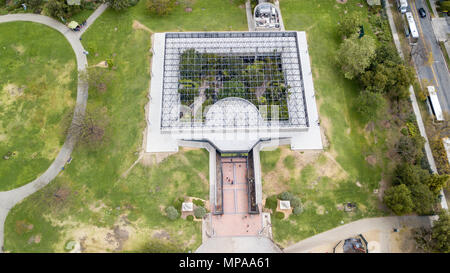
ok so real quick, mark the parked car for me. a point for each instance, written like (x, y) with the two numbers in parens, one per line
(422, 12)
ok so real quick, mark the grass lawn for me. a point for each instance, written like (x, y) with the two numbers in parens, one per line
(95, 198)
(358, 156)
(37, 89)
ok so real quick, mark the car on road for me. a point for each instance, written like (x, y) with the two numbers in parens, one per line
(422, 12)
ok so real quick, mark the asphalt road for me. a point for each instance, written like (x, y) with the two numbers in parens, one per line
(437, 74)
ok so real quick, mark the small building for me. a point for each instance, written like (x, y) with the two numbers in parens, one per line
(266, 16)
(187, 207)
(285, 204)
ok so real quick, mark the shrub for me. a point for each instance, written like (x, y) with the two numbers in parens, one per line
(297, 210)
(199, 212)
(271, 202)
(286, 196)
(190, 218)
(172, 213)
(279, 215)
(295, 201)
(198, 202)
(160, 7)
(178, 203)
(404, 131)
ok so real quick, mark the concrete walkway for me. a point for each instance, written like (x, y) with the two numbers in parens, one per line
(92, 18)
(9, 199)
(249, 12)
(277, 4)
(242, 244)
(412, 96)
(384, 224)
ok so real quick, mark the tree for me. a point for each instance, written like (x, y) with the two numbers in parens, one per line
(388, 77)
(253, 74)
(401, 77)
(355, 55)
(436, 182)
(160, 7)
(422, 198)
(410, 148)
(398, 199)
(88, 128)
(56, 9)
(443, 6)
(172, 213)
(441, 233)
(387, 52)
(407, 174)
(98, 78)
(370, 105)
(350, 24)
(199, 212)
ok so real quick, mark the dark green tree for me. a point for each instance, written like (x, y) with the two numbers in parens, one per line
(370, 105)
(398, 199)
(422, 198)
(407, 174)
(441, 233)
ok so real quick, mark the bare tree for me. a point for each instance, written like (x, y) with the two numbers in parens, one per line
(88, 128)
(98, 78)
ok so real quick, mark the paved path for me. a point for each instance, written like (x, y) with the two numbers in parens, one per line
(277, 4)
(9, 199)
(249, 12)
(92, 18)
(383, 224)
(416, 110)
(241, 244)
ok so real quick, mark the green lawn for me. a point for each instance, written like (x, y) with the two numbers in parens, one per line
(37, 89)
(350, 142)
(98, 196)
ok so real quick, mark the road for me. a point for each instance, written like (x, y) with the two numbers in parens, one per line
(437, 74)
(383, 224)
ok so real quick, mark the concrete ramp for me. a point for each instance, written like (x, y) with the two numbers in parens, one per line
(241, 244)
